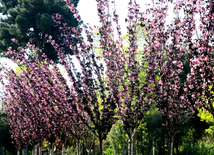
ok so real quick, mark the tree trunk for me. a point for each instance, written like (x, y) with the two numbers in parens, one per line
(18, 152)
(153, 152)
(63, 140)
(37, 39)
(78, 147)
(35, 150)
(63, 148)
(153, 147)
(101, 146)
(137, 146)
(170, 147)
(23, 151)
(40, 149)
(26, 150)
(51, 149)
(130, 147)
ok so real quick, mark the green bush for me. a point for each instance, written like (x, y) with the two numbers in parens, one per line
(109, 151)
(71, 150)
(200, 149)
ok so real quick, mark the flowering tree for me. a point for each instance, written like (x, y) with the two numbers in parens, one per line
(20, 109)
(39, 102)
(93, 94)
(125, 85)
(166, 46)
(127, 76)
(201, 76)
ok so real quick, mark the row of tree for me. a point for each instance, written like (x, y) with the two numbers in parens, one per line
(118, 84)
(151, 138)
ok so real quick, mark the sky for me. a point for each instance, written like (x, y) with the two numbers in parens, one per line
(88, 11)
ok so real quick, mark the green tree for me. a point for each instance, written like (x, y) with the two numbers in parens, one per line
(191, 134)
(118, 139)
(154, 133)
(31, 20)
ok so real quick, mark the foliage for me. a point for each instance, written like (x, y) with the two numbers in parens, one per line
(109, 151)
(36, 85)
(71, 150)
(125, 71)
(117, 139)
(154, 133)
(89, 141)
(201, 73)
(167, 46)
(93, 94)
(205, 116)
(200, 149)
(30, 21)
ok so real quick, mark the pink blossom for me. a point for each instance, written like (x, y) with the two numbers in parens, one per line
(191, 86)
(195, 62)
(14, 40)
(50, 37)
(193, 95)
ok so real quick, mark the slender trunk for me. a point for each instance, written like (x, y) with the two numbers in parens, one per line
(35, 150)
(26, 150)
(63, 148)
(170, 147)
(101, 146)
(153, 152)
(63, 140)
(51, 149)
(40, 149)
(137, 146)
(18, 152)
(23, 151)
(130, 147)
(78, 147)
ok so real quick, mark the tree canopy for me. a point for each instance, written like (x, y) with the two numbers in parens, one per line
(31, 20)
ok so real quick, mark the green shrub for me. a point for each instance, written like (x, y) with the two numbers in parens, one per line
(200, 149)
(109, 151)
